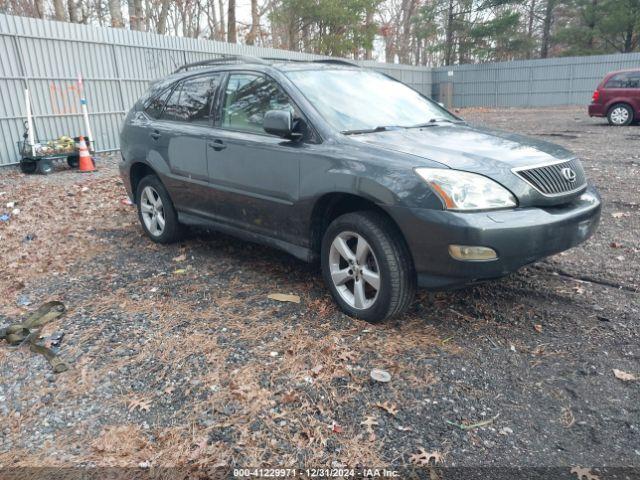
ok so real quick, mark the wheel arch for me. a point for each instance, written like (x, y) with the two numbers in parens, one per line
(625, 102)
(331, 205)
(137, 172)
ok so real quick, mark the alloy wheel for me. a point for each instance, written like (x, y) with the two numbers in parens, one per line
(354, 270)
(152, 211)
(619, 115)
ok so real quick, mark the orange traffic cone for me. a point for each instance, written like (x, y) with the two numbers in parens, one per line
(86, 163)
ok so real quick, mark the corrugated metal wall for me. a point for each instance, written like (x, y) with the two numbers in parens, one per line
(118, 64)
(530, 83)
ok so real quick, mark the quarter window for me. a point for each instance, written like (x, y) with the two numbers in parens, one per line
(624, 80)
(191, 100)
(155, 106)
(248, 97)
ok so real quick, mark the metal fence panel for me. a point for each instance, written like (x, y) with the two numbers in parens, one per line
(117, 66)
(530, 83)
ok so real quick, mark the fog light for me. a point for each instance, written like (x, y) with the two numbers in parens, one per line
(468, 253)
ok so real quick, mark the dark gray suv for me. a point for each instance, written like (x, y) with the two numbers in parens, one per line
(327, 161)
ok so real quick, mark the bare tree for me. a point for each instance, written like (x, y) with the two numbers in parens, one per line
(221, 11)
(72, 7)
(231, 22)
(39, 5)
(162, 19)
(59, 11)
(254, 31)
(546, 28)
(115, 11)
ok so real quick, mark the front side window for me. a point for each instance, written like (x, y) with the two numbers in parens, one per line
(624, 80)
(155, 106)
(191, 100)
(351, 100)
(248, 97)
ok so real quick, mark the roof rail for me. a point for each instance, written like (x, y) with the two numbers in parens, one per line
(337, 61)
(221, 60)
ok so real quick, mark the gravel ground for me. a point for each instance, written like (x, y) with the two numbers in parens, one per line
(178, 358)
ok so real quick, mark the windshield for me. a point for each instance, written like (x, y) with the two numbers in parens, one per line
(360, 100)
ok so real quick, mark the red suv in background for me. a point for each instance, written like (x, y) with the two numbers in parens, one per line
(617, 98)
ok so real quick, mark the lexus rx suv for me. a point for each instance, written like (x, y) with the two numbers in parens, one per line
(332, 162)
(617, 98)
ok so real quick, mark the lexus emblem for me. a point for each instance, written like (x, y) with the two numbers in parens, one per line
(568, 174)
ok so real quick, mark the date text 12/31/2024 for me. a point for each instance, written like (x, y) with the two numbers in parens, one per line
(314, 473)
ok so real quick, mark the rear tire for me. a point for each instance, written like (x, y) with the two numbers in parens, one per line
(28, 166)
(385, 262)
(156, 212)
(620, 115)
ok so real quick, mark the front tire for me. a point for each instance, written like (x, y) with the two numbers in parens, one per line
(156, 212)
(367, 266)
(620, 115)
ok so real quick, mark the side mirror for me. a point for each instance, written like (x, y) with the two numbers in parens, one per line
(280, 123)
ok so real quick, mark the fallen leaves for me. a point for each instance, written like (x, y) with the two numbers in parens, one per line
(388, 407)
(424, 458)
(284, 297)
(471, 426)
(584, 473)
(624, 376)
(620, 214)
(369, 422)
(141, 404)
(538, 328)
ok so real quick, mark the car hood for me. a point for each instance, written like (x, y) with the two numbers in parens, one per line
(487, 152)
(467, 148)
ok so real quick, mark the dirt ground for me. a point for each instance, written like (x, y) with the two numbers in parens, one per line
(178, 358)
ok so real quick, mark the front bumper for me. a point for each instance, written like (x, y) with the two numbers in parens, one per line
(519, 236)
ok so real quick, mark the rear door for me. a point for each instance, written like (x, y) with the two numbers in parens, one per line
(180, 137)
(254, 176)
(624, 87)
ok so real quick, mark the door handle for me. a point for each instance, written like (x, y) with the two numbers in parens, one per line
(217, 145)
(155, 135)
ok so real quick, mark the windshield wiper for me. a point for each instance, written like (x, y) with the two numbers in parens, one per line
(370, 130)
(434, 121)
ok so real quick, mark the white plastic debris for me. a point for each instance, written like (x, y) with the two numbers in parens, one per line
(380, 375)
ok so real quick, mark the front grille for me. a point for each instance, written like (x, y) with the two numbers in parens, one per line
(550, 180)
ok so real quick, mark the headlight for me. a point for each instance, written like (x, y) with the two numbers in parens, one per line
(467, 191)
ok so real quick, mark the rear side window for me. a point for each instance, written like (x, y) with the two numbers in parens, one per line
(191, 100)
(155, 106)
(624, 80)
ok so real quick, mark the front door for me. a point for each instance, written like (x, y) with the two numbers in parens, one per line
(254, 176)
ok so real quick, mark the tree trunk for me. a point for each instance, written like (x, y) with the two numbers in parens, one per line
(115, 10)
(39, 8)
(255, 24)
(58, 8)
(223, 29)
(546, 28)
(73, 11)
(162, 19)
(139, 12)
(448, 46)
(368, 53)
(231, 22)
